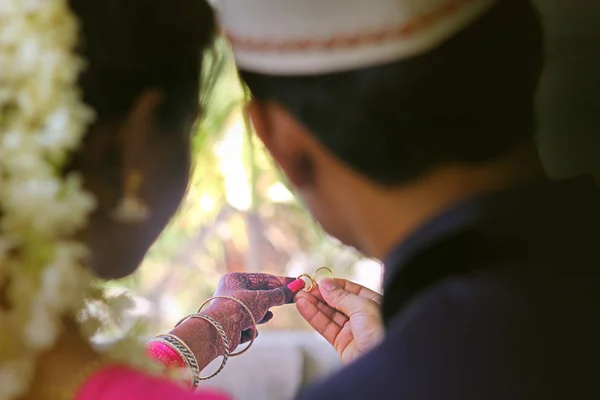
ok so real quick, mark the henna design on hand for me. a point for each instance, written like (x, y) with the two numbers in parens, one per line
(258, 291)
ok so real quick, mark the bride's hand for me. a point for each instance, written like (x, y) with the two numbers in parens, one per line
(259, 292)
(344, 313)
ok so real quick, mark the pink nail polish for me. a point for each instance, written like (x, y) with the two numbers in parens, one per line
(297, 285)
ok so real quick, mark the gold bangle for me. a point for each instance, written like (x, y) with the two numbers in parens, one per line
(245, 307)
(220, 331)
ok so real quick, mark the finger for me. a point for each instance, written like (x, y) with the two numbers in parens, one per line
(292, 289)
(268, 316)
(333, 314)
(275, 281)
(316, 292)
(338, 297)
(330, 312)
(351, 287)
(359, 290)
(296, 285)
(259, 281)
(273, 297)
(325, 326)
(247, 336)
(322, 324)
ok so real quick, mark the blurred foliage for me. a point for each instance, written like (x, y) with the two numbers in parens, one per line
(238, 214)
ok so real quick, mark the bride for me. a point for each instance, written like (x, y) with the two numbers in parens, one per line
(97, 101)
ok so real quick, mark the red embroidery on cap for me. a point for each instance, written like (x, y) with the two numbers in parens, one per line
(407, 29)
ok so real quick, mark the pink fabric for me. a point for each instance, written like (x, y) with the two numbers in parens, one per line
(165, 354)
(123, 383)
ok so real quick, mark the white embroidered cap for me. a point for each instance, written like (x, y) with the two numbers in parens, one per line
(304, 37)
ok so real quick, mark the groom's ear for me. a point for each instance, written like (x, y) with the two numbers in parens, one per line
(264, 117)
(258, 113)
(283, 136)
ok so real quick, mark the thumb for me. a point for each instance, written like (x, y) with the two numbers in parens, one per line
(339, 298)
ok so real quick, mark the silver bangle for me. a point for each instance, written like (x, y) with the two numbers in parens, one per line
(221, 332)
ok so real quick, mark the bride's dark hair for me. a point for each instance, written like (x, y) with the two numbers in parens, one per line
(132, 45)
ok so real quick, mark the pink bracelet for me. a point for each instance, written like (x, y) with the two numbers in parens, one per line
(165, 354)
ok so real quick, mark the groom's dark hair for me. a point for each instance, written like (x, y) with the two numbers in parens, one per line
(133, 45)
(468, 100)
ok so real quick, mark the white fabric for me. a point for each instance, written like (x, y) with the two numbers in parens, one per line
(261, 31)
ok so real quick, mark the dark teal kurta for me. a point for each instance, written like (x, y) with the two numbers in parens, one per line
(497, 298)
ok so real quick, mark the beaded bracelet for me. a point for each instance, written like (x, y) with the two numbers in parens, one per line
(221, 333)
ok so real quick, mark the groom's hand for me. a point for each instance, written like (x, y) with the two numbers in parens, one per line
(346, 314)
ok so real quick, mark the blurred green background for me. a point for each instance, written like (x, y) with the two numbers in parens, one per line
(239, 215)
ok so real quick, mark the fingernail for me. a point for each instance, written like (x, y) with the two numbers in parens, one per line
(328, 284)
(299, 300)
(297, 285)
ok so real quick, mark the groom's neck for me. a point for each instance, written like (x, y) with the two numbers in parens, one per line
(385, 218)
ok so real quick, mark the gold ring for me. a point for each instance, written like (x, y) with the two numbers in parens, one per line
(321, 269)
(310, 278)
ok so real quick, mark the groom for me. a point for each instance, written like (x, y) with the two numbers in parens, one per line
(407, 127)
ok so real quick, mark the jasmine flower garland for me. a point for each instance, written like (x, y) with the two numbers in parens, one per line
(43, 274)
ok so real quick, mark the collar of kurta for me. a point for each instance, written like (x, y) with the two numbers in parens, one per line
(542, 228)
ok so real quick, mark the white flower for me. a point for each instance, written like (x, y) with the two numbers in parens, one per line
(56, 134)
(42, 120)
(29, 165)
(5, 246)
(12, 141)
(64, 280)
(43, 327)
(12, 383)
(10, 7)
(46, 204)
